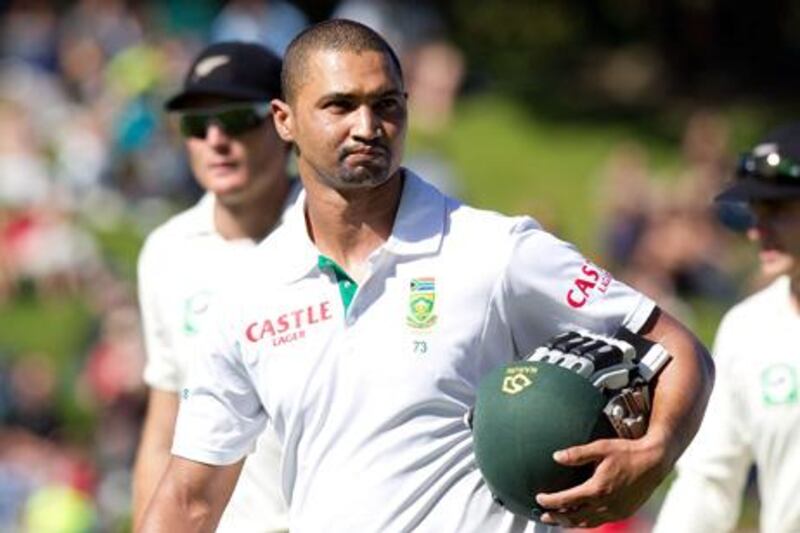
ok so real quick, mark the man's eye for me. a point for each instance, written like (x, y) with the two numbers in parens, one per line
(387, 105)
(339, 106)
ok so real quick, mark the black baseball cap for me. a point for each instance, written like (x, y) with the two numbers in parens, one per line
(770, 171)
(240, 71)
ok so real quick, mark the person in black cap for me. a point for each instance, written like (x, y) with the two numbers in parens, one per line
(754, 412)
(238, 158)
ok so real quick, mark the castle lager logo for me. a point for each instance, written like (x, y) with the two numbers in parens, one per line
(289, 326)
(421, 303)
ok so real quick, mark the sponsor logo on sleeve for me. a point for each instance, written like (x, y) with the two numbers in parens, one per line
(290, 326)
(591, 281)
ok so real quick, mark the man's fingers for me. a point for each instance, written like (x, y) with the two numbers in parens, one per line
(581, 455)
(583, 517)
(571, 498)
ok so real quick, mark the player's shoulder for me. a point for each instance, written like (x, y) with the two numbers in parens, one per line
(759, 305)
(182, 226)
(762, 301)
(487, 226)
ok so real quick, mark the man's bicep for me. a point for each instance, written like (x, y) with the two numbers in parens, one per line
(679, 341)
(549, 287)
(685, 384)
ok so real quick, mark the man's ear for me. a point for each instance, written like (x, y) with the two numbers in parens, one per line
(283, 119)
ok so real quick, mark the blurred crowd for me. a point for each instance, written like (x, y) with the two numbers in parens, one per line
(660, 233)
(85, 149)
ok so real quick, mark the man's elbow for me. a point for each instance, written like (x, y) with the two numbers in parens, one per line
(176, 507)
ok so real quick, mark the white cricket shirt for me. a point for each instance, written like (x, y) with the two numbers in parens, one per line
(753, 417)
(367, 386)
(181, 267)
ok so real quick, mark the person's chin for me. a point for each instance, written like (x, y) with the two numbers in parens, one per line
(775, 263)
(364, 176)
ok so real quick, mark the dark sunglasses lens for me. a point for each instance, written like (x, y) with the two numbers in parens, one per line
(232, 121)
(194, 125)
(236, 121)
(736, 216)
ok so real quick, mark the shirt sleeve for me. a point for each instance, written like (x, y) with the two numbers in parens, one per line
(711, 475)
(548, 287)
(220, 414)
(162, 369)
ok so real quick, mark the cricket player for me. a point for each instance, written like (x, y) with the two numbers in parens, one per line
(365, 344)
(239, 159)
(754, 413)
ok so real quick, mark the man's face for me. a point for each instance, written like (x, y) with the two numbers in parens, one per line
(235, 167)
(777, 232)
(347, 119)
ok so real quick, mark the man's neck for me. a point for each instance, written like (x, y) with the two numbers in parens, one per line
(253, 218)
(347, 226)
(794, 291)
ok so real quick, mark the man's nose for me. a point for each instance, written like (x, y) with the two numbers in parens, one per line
(367, 124)
(761, 228)
(215, 135)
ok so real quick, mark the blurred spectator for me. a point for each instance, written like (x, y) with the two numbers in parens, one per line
(404, 25)
(664, 235)
(22, 164)
(435, 70)
(272, 23)
(92, 32)
(32, 384)
(624, 200)
(28, 33)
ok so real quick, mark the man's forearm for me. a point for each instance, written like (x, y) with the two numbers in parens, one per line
(190, 497)
(172, 510)
(151, 461)
(153, 454)
(683, 387)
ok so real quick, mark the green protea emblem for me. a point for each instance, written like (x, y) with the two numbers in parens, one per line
(421, 303)
(194, 307)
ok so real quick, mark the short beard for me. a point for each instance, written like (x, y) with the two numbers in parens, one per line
(362, 176)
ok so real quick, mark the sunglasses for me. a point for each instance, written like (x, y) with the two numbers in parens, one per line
(233, 119)
(770, 166)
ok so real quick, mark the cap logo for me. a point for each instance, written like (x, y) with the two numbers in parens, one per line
(209, 64)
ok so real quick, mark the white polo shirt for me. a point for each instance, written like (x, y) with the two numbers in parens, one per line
(753, 418)
(367, 386)
(181, 266)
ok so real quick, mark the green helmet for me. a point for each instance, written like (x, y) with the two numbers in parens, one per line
(523, 413)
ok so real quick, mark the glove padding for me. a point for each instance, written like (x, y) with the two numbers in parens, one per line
(621, 368)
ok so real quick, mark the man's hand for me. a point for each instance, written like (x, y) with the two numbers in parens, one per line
(626, 473)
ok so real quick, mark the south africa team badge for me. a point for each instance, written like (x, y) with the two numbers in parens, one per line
(421, 303)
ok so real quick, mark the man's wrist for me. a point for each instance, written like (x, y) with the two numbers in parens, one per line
(660, 449)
